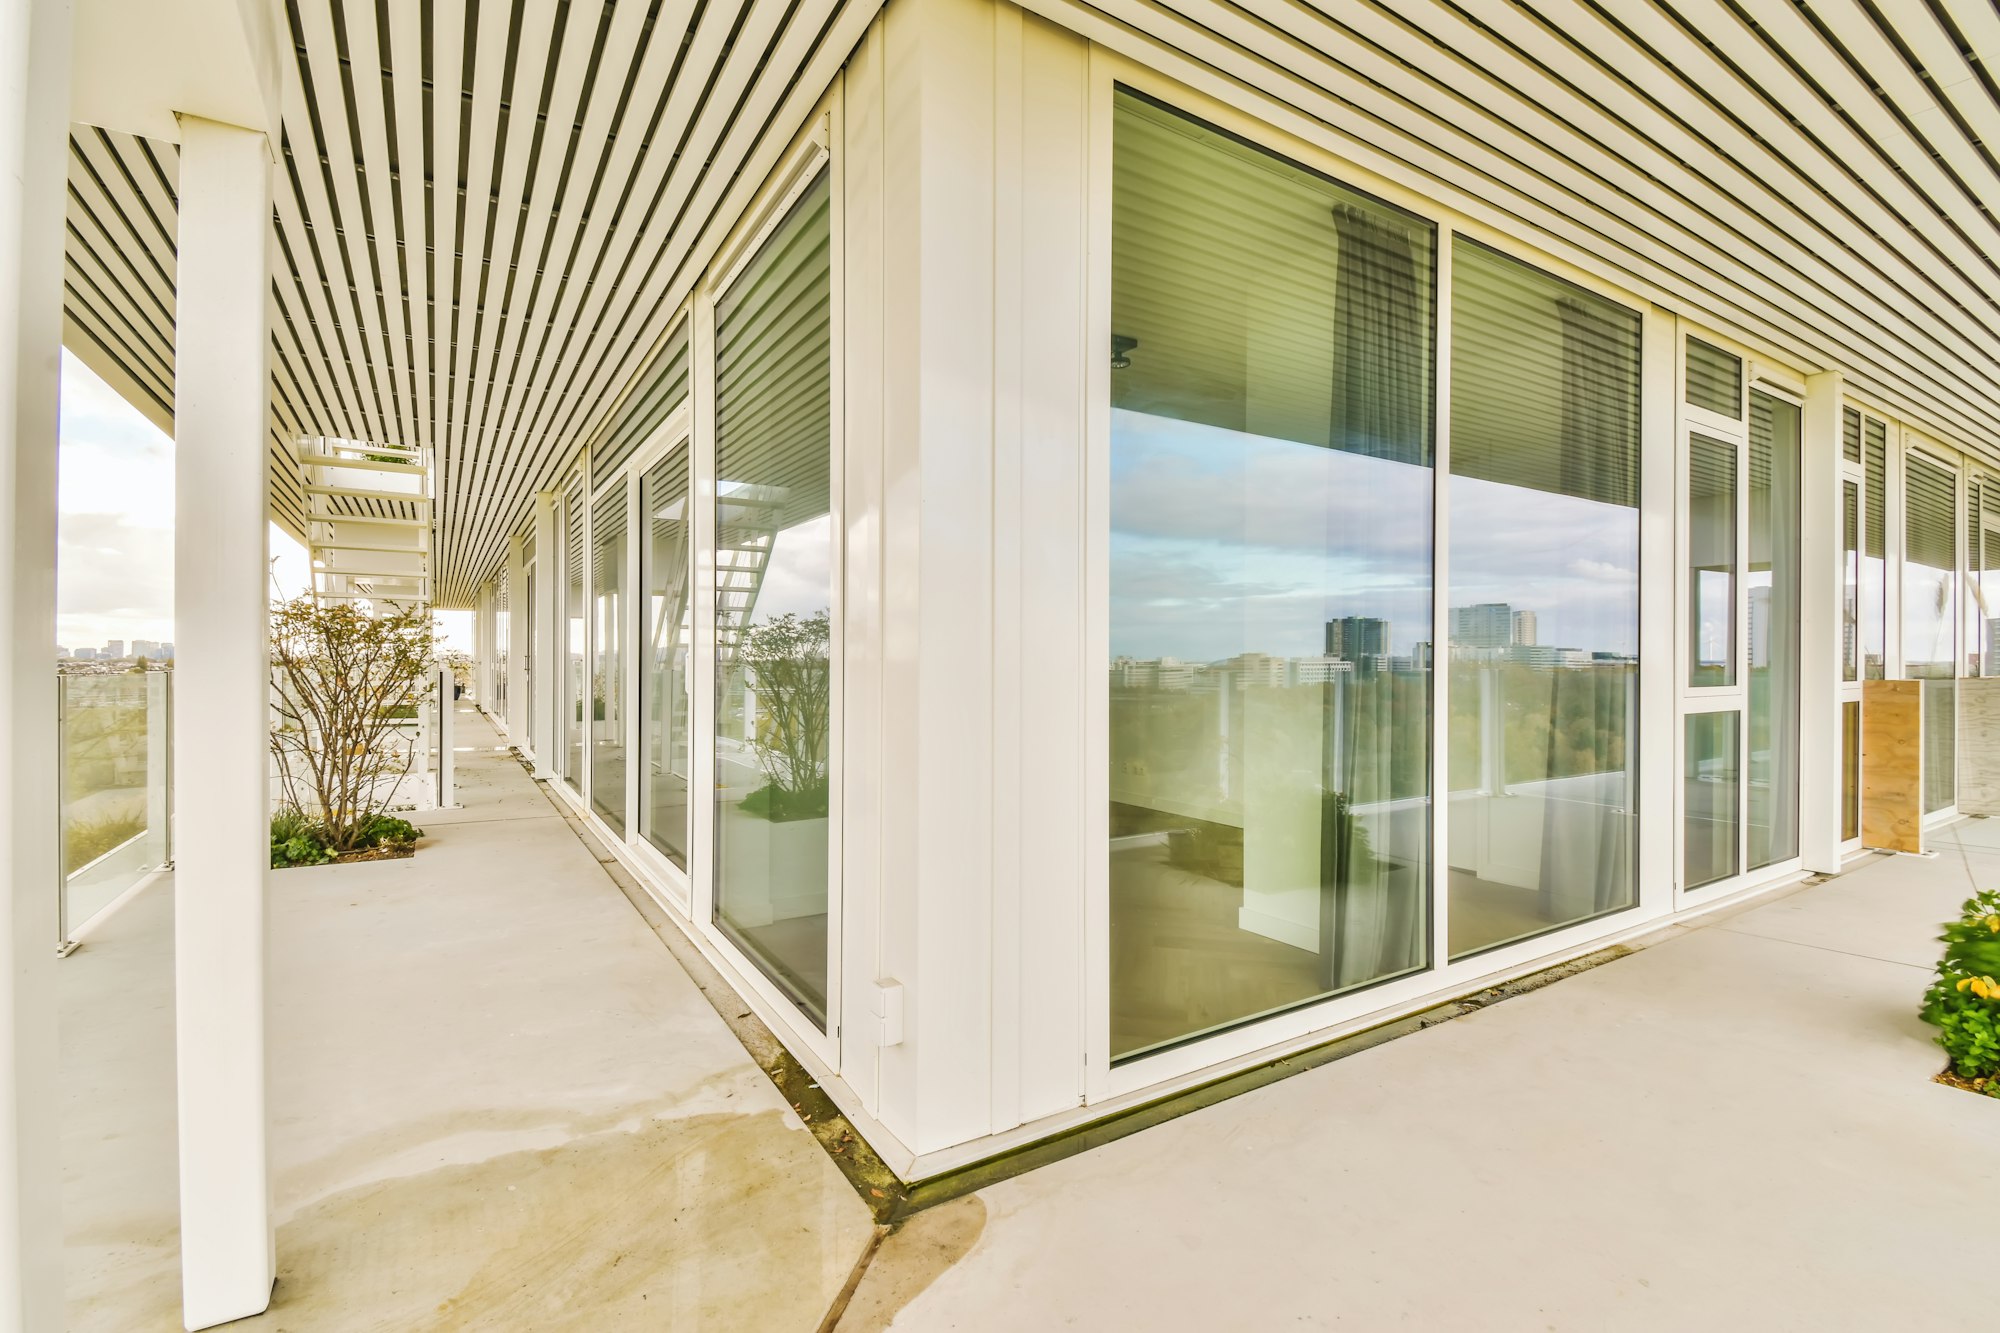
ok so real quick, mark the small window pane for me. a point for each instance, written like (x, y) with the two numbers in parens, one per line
(1874, 551)
(608, 640)
(1850, 581)
(1850, 435)
(1850, 770)
(1713, 784)
(1711, 561)
(1714, 379)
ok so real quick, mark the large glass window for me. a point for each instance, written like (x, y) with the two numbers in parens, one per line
(1713, 783)
(663, 684)
(1270, 583)
(774, 572)
(1772, 590)
(573, 675)
(1545, 601)
(609, 633)
(1930, 614)
(502, 645)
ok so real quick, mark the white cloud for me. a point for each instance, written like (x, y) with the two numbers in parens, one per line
(115, 542)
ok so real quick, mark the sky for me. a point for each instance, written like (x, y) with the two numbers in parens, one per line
(115, 542)
(1225, 542)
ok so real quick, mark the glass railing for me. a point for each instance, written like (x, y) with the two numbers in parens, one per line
(115, 733)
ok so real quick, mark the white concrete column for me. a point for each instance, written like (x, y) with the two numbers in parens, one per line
(546, 635)
(517, 646)
(222, 391)
(1820, 614)
(34, 150)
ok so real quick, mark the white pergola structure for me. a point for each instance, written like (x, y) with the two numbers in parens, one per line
(467, 234)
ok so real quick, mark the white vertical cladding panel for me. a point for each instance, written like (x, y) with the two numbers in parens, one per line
(1043, 896)
(862, 700)
(1820, 629)
(938, 564)
(966, 139)
(542, 672)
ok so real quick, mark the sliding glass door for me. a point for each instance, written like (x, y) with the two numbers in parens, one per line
(1931, 615)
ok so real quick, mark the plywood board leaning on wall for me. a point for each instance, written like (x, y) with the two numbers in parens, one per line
(1892, 765)
(1979, 745)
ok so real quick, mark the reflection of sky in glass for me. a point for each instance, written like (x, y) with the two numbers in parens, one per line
(1573, 562)
(799, 577)
(1224, 542)
(1929, 610)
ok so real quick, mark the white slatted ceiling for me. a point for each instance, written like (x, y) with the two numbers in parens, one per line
(1812, 175)
(1818, 177)
(485, 215)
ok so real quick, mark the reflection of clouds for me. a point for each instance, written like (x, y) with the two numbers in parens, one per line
(1224, 542)
(799, 576)
(1573, 562)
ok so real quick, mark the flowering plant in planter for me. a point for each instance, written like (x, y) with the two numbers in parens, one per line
(1963, 1001)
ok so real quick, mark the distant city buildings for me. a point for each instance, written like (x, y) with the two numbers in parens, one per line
(117, 653)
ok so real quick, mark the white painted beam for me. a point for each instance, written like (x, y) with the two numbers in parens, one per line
(34, 150)
(222, 400)
(1820, 611)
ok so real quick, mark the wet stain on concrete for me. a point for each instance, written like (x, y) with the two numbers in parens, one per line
(717, 1222)
(916, 1253)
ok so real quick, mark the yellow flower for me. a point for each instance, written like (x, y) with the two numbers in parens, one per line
(1993, 925)
(1963, 982)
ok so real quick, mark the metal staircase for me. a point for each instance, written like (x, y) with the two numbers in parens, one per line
(368, 522)
(747, 522)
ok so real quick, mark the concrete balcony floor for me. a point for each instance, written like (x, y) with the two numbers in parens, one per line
(499, 1103)
(496, 1100)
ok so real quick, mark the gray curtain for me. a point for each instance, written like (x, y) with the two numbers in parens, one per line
(1381, 341)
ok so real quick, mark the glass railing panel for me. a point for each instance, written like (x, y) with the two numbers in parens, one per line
(115, 733)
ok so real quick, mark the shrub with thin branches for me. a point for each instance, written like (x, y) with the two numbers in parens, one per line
(343, 682)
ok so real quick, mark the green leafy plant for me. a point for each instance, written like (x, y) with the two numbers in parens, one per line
(296, 840)
(1963, 1001)
(391, 831)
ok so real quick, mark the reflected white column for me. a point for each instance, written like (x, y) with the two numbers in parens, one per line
(222, 389)
(34, 115)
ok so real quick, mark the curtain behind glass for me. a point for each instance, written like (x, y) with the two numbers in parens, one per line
(1271, 501)
(1773, 722)
(1544, 561)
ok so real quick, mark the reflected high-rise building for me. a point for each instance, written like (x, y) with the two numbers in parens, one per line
(1356, 638)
